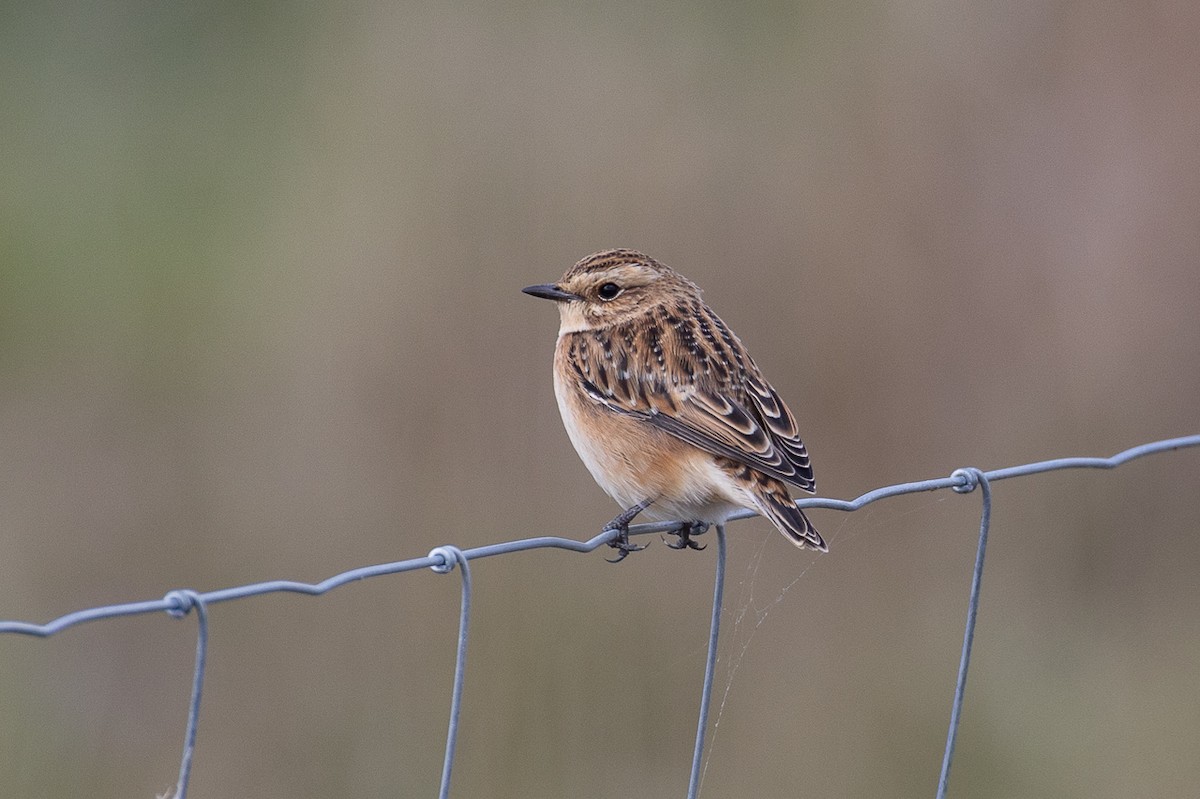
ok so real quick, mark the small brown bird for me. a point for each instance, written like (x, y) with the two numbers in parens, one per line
(664, 405)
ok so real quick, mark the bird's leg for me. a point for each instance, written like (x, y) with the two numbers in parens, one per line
(685, 536)
(621, 525)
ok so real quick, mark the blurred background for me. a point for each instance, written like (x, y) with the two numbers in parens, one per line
(260, 318)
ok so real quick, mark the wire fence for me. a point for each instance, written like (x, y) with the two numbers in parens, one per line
(445, 559)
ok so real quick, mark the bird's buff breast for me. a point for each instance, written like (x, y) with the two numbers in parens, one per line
(633, 461)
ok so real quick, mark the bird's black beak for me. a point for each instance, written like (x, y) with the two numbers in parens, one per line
(549, 291)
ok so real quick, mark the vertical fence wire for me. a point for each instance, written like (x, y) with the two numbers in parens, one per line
(971, 478)
(443, 559)
(183, 602)
(710, 666)
(449, 555)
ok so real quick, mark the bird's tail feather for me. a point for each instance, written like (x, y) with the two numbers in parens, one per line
(777, 505)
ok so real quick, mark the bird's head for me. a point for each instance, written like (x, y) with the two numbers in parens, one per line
(612, 287)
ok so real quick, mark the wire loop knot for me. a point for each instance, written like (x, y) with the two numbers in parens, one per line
(182, 601)
(449, 555)
(969, 479)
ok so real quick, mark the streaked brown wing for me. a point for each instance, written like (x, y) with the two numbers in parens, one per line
(724, 406)
(781, 425)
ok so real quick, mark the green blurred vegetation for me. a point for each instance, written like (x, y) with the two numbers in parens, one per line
(260, 317)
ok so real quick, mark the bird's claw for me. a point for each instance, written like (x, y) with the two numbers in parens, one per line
(684, 536)
(621, 525)
(623, 547)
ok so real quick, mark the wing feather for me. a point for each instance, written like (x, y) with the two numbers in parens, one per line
(689, 376)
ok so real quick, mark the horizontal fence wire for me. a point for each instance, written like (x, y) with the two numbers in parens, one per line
(443, 560)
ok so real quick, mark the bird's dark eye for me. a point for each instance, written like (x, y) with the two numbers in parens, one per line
(609, 291)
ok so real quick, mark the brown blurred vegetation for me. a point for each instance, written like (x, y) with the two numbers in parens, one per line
(260, 317)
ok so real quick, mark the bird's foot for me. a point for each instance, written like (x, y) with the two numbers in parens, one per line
(684, 536)
(621, 524)
(623, 546)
